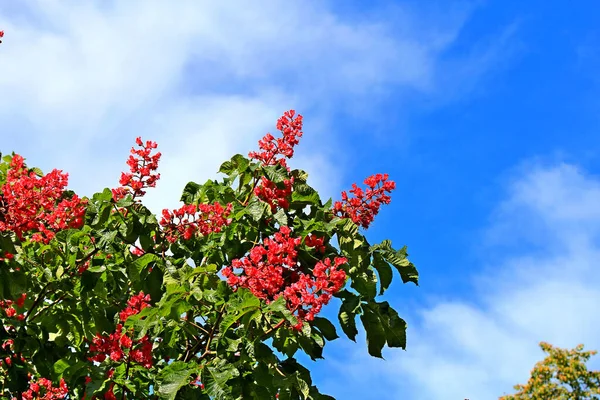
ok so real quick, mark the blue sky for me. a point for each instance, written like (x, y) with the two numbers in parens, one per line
(485, 113)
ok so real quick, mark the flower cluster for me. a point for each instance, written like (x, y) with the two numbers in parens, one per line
(191, 219)
(32, 203)
(274, 151)
(115, 345)
(272, 270)
(42, 390)
(317, 242)
(8, 307)
(134, 305)
(268, 192)
(310, 293)
(363, 207)
(265, 267)
(142, 165)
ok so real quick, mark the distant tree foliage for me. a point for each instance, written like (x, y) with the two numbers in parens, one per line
(562, 375)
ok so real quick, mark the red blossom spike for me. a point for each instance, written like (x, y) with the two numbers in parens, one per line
(275, 151)
(142, 164)
(364, 206)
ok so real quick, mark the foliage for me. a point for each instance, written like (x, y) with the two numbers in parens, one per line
(101, 298)
(562, 375)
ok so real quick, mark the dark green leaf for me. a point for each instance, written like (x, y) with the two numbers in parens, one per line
(280, 217)
(347, 317)
(376, 337)
(305, 195)
(326, 328)
(257, 209)
(173, 377)
(384, 270)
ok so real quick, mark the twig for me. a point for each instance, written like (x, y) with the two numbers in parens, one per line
(37, 314)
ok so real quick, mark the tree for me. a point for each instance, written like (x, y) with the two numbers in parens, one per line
(562, 375)
(101, 298)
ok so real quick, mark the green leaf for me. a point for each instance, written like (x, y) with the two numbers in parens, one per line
(257, 209)
(189, 192)
(104, 196)
(301, 385)
(305, 195)
(384, 270)
(60, 366)
(173, 377)
(37, 171)
(141, 262)
(240, 306)
(276, 173)
(326, 328)
(238, 163)
(280, 217)
(376, 337)
(347, 316)
(107, 238)
(348, 227)
(365, 283)
(393, 325)
(299, 175)
(215, 377)
(398, 258)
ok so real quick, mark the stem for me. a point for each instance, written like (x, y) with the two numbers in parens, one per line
(37, 301)
(274, 328)
(90, 255)
(255, 181)
(126, 373)
(61, 298)
(214, 328)
(198, 327)
(209, 339)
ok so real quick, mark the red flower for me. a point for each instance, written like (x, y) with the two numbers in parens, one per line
(141, 164)
(273, 149)
(21, 300)
(36, 204)
(134, 305)
(270, 193)
(43, 389)
(316, 242)
(10, 312)
(191, 219)
(271, 270)
(109, 395)
(363, 207)
(116, 345)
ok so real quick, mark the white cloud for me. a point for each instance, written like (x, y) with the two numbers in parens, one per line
(549, 294)
(80, 80)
